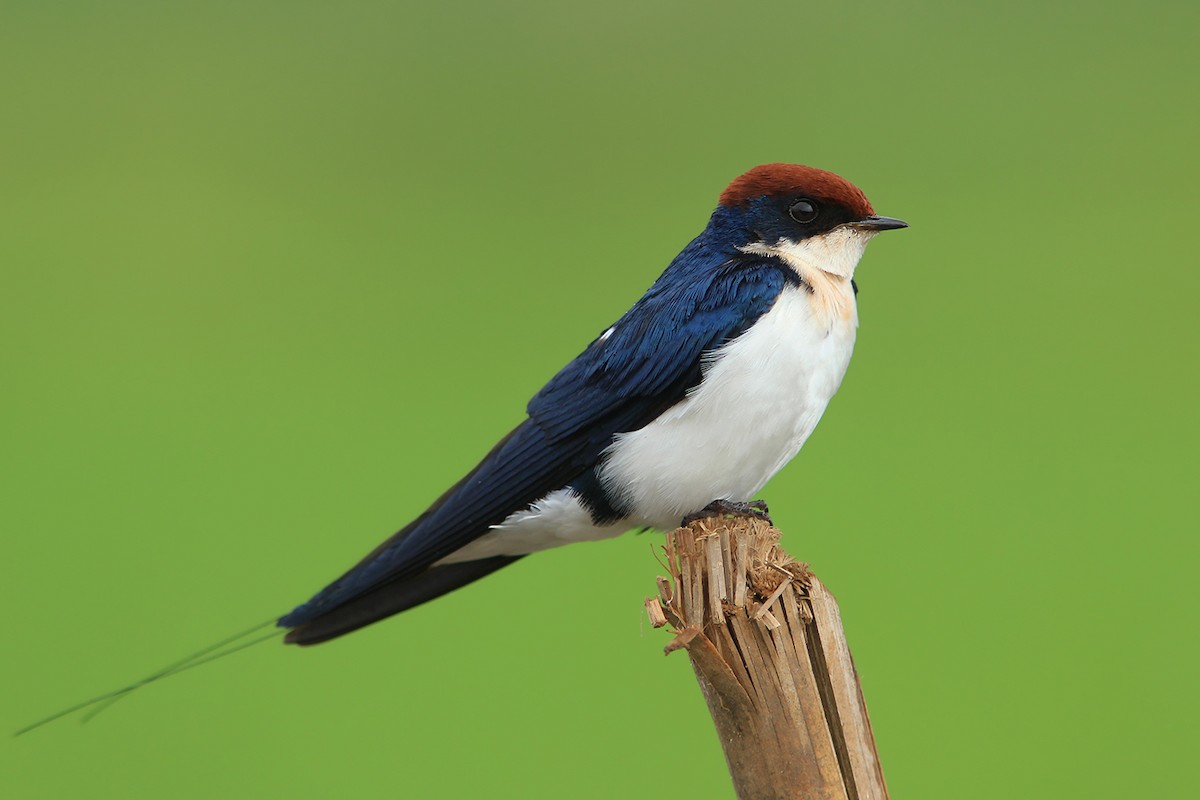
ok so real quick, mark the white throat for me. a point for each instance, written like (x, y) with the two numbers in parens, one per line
(826, 265)
(835, 253)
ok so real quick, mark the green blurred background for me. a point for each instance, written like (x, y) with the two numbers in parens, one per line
(275, 274)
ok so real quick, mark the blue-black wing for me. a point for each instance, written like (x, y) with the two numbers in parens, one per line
(652, 355)
(624, 379)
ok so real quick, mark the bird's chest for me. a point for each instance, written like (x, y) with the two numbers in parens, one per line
(761, 396)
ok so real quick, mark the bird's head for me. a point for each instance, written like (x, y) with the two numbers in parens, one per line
(810, 218)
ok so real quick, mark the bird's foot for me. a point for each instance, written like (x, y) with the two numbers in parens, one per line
(755, 509)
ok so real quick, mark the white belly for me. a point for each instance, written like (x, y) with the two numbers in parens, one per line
(761, 397)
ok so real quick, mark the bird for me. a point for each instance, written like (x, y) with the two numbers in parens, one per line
(688, 404)
(699, 393)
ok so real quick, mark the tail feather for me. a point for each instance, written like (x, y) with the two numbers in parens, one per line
(392, 598)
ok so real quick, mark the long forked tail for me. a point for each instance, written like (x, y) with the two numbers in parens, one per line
(392, 597)
(225, 647)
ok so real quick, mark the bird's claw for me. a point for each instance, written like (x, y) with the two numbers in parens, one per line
(755, 509)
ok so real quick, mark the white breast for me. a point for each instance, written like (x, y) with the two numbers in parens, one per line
(761, 397)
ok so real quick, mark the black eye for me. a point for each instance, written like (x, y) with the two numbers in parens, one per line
(803, 210)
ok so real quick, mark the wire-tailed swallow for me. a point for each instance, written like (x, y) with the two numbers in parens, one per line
(702, 391)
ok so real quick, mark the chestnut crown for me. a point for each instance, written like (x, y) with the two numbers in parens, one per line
(779, 181)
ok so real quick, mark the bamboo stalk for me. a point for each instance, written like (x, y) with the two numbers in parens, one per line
(766, 643)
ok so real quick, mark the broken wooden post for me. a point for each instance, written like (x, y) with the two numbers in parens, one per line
(765, 640)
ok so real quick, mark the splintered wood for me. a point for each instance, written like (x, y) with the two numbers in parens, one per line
(765, 640)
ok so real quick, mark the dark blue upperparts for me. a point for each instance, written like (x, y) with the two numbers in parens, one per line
(709, 294)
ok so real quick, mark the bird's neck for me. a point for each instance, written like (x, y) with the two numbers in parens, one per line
(825, 265)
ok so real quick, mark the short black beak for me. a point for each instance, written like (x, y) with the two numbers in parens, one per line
(877, 223)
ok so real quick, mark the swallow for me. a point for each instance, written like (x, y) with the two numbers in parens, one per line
(701, 392)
